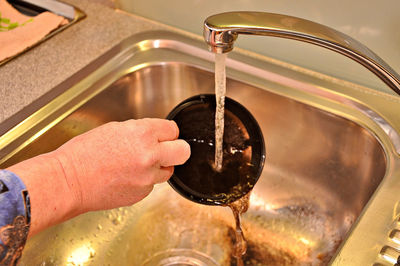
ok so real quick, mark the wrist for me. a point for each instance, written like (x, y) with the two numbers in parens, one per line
(51, 200)
(70, 175)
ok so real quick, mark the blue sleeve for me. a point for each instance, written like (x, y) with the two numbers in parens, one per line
(14, 217)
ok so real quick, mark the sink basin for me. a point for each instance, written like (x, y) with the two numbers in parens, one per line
(325, 159)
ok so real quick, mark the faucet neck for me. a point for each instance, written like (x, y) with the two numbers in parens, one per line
(222, 30)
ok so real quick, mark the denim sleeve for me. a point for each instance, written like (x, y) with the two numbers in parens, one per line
(14, 217)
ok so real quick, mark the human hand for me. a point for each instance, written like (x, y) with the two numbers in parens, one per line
(117, 164)
(113, 165)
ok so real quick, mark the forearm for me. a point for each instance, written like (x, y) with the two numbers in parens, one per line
(51, 198)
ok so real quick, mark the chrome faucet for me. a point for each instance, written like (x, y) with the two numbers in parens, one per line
(221, 31)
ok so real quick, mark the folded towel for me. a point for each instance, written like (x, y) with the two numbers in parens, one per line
(18, 32)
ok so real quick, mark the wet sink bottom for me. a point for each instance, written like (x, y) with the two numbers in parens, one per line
(289, 235)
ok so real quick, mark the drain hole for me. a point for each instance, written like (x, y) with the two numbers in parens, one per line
(181, 261)
(180, 257)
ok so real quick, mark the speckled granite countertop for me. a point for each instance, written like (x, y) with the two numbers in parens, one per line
(37, 71)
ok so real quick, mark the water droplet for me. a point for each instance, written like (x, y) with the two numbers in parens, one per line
(117, 220)
(92, 254)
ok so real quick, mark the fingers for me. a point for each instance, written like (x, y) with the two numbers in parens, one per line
(163, 174)
(164, 129)
(173, 152)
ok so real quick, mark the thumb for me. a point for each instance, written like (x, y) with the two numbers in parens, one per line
(174, 152)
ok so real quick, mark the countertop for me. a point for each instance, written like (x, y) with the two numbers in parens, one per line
(32, 74)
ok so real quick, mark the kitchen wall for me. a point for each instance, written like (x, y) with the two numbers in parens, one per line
(374, 23)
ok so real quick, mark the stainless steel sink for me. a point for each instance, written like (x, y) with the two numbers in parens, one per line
(327, 153)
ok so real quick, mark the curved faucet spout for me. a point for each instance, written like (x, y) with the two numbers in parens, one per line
(221, 31)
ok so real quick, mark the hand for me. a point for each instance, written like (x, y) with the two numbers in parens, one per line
(113, 165)
(117, 164)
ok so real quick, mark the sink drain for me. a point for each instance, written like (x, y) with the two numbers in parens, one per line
(180, 257)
